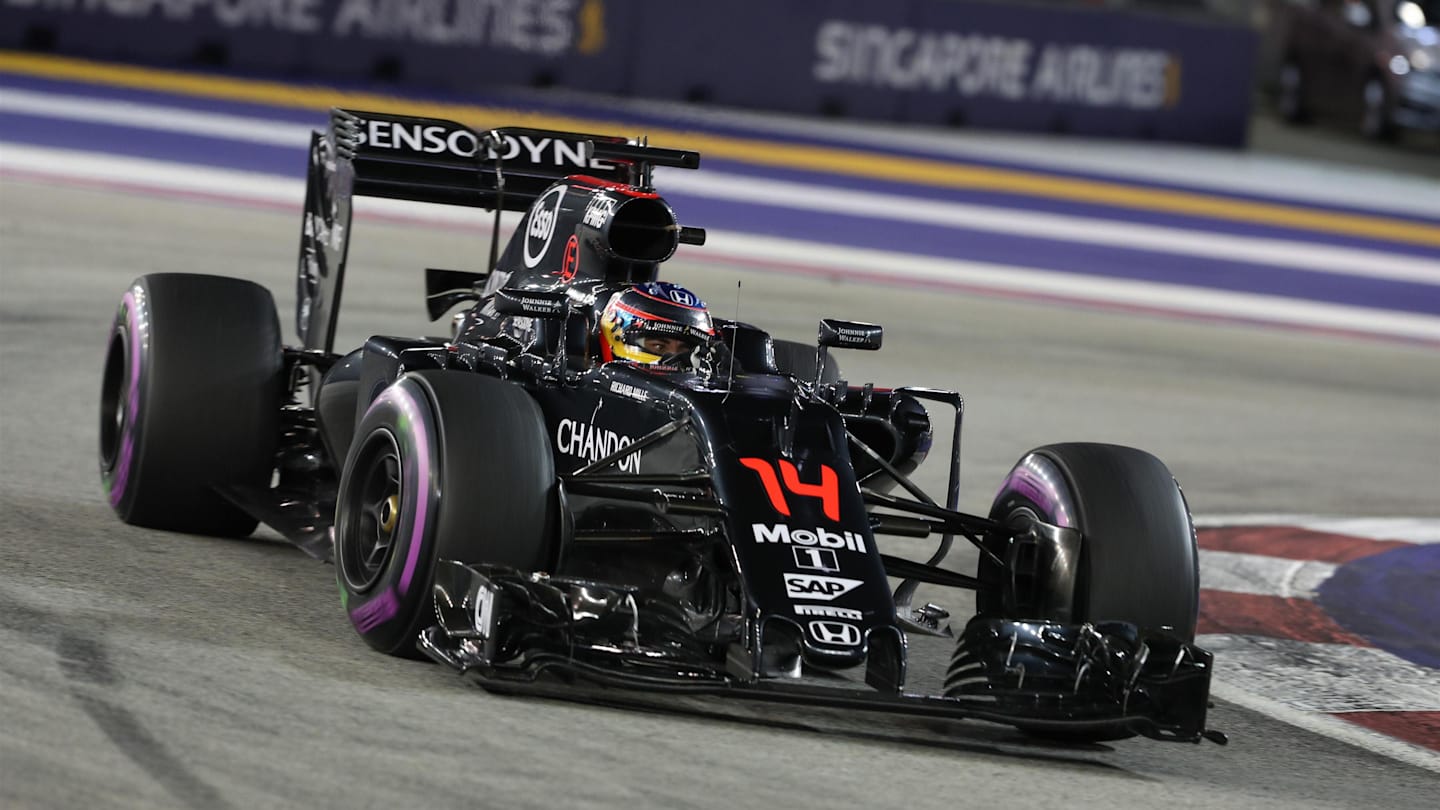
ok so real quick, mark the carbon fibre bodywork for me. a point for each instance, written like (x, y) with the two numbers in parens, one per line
(718, 516)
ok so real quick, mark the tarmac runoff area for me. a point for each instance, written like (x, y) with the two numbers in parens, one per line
(181, 671)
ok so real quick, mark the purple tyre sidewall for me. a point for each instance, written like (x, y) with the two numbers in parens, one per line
(386, 611)
(129, 335)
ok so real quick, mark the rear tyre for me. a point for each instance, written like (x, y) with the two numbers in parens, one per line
(798, 359)
(444, 465)
(190, 401)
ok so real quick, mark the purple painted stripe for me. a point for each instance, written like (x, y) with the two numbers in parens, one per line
(155, 145)
(1392, 600)
(621, 114)
(1059, 256)
(855, 231)
(1096, 210)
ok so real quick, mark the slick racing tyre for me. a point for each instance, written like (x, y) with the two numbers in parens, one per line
(445, 465)
(1139, 562)
(1138, 558)
(793, 357)
(190, 401)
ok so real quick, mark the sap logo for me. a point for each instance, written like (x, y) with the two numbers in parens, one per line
(543, 215)
(780, 533)
(836, 634)
(590, 443)
(599, 211)
(827, 610)
(824, 589)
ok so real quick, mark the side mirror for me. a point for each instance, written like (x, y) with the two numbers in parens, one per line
(850, 334)
(544, 304)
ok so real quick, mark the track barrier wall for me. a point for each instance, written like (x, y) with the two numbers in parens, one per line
(989, 65)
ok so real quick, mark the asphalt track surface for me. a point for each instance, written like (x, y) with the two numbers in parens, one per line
(146, 669)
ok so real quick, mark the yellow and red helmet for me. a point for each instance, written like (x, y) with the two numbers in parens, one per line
(651, 322)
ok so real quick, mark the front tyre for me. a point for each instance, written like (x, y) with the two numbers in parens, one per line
(1138, 557)
(1138, 562)
(190, 401)
(444, 465)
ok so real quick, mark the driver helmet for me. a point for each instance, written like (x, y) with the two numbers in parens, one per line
(651, 322)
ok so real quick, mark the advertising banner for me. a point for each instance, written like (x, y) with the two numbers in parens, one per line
(443, 44)
(992, 65)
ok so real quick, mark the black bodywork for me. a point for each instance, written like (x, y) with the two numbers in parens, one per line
(720, 517)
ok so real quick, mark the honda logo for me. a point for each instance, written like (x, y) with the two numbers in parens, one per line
(835, 634)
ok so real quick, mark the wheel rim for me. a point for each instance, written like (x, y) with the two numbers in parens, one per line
(114, 391)
(372, 504)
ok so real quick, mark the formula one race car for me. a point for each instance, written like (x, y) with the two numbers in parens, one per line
(593, 482)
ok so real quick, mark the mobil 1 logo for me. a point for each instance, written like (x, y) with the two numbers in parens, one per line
(815, 559)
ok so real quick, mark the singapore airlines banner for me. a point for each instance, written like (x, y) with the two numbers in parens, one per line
(994, 65)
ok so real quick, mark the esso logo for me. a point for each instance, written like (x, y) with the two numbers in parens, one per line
(542, 225)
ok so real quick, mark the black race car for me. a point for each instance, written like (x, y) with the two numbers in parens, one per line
(519, 503)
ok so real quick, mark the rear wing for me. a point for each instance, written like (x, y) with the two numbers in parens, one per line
(437, 161)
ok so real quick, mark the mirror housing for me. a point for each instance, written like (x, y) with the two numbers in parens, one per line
(839, 334)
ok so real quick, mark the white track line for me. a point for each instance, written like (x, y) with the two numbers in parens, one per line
(1275, 177)
(1224, 247)
(803, 257)
(1327, 726)
(1263, 576)
(1288, 253)
(1300, 683)
(1410, 530)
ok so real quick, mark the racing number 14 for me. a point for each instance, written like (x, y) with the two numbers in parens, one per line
(827, 490)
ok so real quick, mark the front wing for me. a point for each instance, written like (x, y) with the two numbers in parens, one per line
(510, 630)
